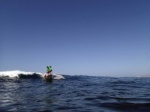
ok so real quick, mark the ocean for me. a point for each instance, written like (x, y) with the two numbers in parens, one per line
(28, 92)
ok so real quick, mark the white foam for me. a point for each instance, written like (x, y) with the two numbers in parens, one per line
(15, 73)
(58, 76)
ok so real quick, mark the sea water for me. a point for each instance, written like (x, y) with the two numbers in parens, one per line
(30, 93)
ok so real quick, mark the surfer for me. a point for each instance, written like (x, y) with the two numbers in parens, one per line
(48, 76)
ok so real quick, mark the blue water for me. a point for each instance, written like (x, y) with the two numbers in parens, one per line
(75, 94)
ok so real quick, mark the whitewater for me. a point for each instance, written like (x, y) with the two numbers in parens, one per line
(18, 74)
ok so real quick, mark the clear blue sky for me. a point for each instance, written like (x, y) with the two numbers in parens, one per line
(76, 37)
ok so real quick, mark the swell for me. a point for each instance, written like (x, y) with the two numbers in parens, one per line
(119, 104)
(127, 107)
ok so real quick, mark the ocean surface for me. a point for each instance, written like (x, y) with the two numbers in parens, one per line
(30, 93)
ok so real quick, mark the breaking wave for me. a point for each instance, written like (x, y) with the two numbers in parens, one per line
(19, 74)
(23, 74)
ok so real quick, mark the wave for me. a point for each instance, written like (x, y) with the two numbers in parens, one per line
(23, 74)
(140, 107)
(18, 74)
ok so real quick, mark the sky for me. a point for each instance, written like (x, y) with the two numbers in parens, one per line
(76, 37)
